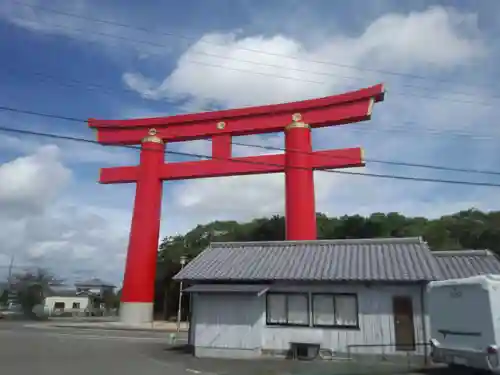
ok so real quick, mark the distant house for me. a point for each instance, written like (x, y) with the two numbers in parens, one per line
(94, 286)
(59, 300)
(340, 298)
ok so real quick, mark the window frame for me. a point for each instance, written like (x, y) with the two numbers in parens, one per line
(287, 324)
(333, 296)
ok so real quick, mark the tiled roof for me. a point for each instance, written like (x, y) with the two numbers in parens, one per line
(95, 282)
(386, 259)
(60, 291)
(465, 263)
(227, 288)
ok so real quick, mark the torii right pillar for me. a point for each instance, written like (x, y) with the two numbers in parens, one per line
(300, 207)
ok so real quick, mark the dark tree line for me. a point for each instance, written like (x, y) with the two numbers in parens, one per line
(471, 229)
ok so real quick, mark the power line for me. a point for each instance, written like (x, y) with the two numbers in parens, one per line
(403, 164)
(258, 63)
(375, 175)
(430, 132)
(197, 39)
(74, 83)
(273, 75)
(74, 119)
(44, 77)
(41, 114)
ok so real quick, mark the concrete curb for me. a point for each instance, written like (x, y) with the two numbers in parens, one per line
(107, 328)
(104, 328)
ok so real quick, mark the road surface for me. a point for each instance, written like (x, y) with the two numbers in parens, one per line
(27, 350)
(47, 350)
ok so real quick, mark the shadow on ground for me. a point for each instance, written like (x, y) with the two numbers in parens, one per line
(182, 354)
(180, 349)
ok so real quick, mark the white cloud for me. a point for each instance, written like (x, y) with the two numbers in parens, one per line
(29, 184)
(44, 224)
(442, 36)
(76, 19)
(212, 70)
(247, 197)
(432, 43)
(74, 152)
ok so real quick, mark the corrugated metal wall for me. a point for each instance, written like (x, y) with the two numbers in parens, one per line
(238, 321)
(228, 321)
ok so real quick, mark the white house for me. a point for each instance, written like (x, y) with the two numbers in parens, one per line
(55, 305)
(338, 298)
(62, 299)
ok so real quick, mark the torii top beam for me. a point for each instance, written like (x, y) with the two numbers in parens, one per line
(332, 110)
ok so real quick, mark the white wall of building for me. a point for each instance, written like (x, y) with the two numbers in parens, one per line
(235, 324)
(221, 322)
(73, 303)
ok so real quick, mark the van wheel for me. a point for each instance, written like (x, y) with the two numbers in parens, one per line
(461, 369)
(456, 369)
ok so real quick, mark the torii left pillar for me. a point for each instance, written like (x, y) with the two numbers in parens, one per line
(138, 291)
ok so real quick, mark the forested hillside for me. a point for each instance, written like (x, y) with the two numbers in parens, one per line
(470, 229)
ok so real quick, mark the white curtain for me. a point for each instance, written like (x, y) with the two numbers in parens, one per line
(328, 310)
(323, 310)
(346, 311)
(276, 308)
(298, 312)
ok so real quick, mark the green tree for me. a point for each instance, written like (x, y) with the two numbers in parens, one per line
(470, 229)
(31, 287)
(4, 296)
(110, 299)
(466, 229)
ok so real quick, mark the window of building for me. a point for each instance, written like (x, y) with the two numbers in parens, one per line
(287, 309)
(335, 310)
(76, 305)
(59, 305)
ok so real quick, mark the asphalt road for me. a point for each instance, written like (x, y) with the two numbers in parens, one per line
(27, 350)
(53, 351)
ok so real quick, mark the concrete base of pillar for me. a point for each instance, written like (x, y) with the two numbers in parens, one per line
(135, 313)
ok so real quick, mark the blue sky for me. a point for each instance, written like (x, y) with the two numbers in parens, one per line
(438, 60)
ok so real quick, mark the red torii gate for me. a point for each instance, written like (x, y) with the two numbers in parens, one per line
(298, 162)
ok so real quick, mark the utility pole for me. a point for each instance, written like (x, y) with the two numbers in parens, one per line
(183, 261)
(10, 294)
(11, 266)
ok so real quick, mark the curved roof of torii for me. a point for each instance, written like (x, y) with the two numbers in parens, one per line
(376, 92)
(340, 109)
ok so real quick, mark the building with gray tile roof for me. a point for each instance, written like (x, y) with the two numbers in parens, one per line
(94, 283)
(384, 259)
(60, 291)
(362, 295)
(466, 263)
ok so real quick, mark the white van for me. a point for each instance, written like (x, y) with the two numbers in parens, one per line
(465, 322)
